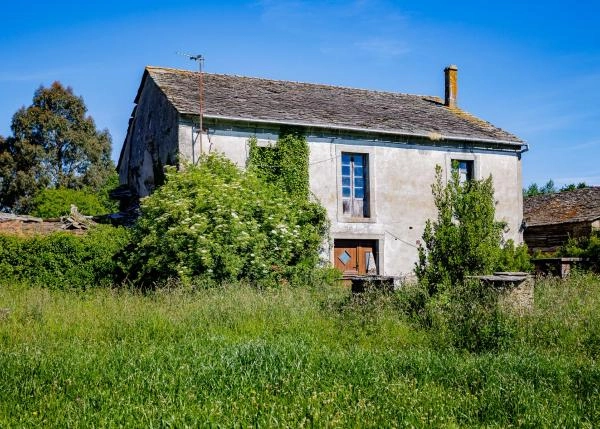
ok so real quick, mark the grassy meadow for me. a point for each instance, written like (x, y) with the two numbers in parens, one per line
(290, 357)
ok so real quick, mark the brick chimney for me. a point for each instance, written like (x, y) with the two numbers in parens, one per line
(451, 74)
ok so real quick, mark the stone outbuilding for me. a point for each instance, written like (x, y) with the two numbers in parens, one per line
(372, 154)
(549, 220)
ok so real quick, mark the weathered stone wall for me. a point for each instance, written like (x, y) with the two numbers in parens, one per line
(28, 228)
(519, 298)
(400, 177)
(152, 141)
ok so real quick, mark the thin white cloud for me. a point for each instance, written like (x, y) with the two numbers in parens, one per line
(293, 16)
(284, 14)
(13, 76)
(585, 145)
(382, 47)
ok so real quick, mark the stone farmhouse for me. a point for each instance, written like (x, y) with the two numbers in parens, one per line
(549, 220)
(372, 154)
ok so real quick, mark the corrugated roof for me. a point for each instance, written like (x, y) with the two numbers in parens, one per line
(578, 205)
(257, 99)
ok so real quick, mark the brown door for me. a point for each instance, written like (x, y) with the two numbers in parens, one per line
(356, 257)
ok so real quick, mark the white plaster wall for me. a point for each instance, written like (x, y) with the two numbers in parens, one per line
(235, 148)
(401, 196)
(400, 185)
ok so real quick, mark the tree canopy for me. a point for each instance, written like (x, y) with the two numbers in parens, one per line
(550, 188)
(54, 145)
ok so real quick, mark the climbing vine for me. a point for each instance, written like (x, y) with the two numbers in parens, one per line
(285, 164)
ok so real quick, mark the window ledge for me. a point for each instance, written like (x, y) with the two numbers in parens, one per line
(348, 219)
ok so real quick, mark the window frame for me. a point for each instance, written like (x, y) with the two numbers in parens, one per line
(368, 155)
(469, 170)
(466, 157)
(355, 184)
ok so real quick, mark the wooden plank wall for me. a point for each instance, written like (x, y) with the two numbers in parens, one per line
(548, 238)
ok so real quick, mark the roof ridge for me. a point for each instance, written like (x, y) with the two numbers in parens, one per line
(171, 69)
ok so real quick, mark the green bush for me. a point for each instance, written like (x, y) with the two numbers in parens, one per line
(514, 258)
(411, 299)
(111, 182)
(214, 222)
(465, 239)
(63, 260)
(587, 247)
(51, 203)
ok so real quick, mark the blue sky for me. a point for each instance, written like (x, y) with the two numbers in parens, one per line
(532, 68)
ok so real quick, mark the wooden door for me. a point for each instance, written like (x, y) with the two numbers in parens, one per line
(356, 257)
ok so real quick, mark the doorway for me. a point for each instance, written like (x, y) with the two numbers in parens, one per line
(356, 257)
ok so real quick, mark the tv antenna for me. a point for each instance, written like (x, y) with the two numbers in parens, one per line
(200, 60)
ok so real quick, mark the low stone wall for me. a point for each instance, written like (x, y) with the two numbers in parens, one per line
(28, 226)
(519, 298)
(516, 290)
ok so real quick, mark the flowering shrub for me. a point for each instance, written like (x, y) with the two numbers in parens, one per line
(216, 222)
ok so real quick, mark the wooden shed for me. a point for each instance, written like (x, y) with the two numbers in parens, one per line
(549, 220)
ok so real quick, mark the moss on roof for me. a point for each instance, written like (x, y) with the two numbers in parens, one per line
(578, 205)
(320, 105)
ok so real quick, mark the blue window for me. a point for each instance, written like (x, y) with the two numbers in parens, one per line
(464, 168)
(355, 188)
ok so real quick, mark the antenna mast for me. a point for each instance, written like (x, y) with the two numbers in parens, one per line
(200, 59)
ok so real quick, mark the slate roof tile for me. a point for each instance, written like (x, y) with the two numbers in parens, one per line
(578, 205)
(321, 105)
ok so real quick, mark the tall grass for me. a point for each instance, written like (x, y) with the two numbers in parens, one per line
(290, 357)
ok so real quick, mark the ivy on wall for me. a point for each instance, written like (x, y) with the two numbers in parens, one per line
(285, 164)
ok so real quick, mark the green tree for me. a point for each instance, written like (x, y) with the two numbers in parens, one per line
(55, 202)
(465, 239)
(535, 189)
(532, 190)
(573, 186)
(549, 188)
(54, 145)
(6, 163)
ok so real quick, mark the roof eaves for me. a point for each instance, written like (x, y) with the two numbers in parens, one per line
(562, 222)
(432, 136)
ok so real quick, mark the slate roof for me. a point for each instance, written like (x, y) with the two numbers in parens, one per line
(308, 104)
(578, 205)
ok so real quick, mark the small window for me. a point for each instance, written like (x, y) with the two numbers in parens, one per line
(464, 168)
(355, 184)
